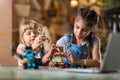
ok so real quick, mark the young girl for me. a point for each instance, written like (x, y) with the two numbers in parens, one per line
(31, 37)
(82, 48)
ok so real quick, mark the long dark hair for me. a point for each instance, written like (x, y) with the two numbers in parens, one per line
(91, 18)
(88, 15)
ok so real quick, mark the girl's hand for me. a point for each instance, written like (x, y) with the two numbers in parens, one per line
(50, 52)
(55, 50)
(37, 42)
(58, 51)
(69, 55)
(51, 64)
(22, 61)
(52, 49)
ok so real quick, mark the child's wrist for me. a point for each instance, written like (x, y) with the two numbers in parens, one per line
(22, 61)
(34, 48)
(75, 61)
(50, 54)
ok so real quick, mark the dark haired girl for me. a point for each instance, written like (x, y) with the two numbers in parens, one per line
(82, 48)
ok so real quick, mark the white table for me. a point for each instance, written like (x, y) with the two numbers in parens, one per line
(15, 73)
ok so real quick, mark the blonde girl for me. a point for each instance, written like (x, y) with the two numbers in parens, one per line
(31, 36)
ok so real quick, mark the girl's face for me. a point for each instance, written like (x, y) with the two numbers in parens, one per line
(81, 30)
(30, 35)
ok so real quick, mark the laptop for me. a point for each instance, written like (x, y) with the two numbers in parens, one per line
(111, 61)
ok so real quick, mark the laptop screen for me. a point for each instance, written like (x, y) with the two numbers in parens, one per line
(111, 61)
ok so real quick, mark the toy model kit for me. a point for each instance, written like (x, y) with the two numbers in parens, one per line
(29, 56)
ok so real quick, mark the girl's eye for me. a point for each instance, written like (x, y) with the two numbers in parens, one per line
(38, 32)
(76, 26)
(84, 30)
(27, 33)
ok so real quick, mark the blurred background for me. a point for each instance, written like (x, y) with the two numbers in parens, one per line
(57, 16)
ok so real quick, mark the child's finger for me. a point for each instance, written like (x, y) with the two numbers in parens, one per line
(67, 53)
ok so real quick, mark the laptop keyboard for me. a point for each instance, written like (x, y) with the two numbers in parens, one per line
(82, 70)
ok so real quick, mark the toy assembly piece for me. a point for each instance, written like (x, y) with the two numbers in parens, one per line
(46, 38)
(59, 60)
(29, 55)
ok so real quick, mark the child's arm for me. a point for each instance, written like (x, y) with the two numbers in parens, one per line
(47, 56)
(21, 52)
(94, 62)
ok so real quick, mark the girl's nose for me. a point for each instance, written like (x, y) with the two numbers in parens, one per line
(32, 34)
(79, 31)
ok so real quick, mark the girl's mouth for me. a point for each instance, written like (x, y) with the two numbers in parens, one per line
(32, 39)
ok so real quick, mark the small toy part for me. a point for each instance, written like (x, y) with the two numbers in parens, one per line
(29, 55)
(46, 38)
(59, 61)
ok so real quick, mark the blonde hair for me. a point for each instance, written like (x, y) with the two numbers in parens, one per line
(28, 24)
